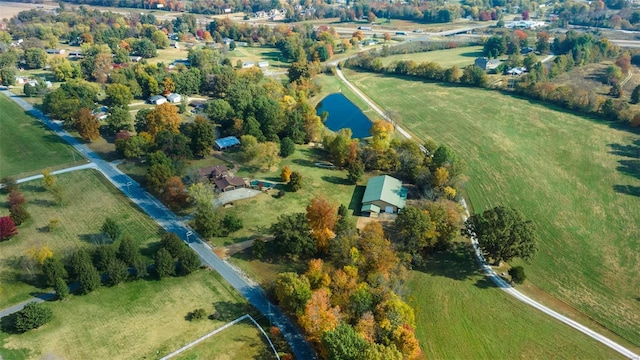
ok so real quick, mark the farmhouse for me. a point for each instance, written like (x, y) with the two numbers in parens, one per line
(220, 176)
(55, 51)
(486, 64)
(75, 54)
(174, 98)
(248, 64)
(226, 142)
(157, 100)
(135, 58)
(384, 194)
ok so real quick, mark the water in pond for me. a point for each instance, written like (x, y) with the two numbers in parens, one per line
(344, 114)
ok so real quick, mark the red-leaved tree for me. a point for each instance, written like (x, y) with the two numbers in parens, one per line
(7, 228)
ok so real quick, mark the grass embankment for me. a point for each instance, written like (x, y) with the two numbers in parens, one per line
(88, 200)
(462, 315)
(241, 341)
(140, 319)
(27, 146)
(575, 178)
(460, 57)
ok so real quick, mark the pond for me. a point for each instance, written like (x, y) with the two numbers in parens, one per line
(344, 114)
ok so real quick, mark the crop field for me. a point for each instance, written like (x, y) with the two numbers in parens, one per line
(136, 320)
(462, 315)
(88, 199)
(460, 57)
(577, 179)
(28, 146)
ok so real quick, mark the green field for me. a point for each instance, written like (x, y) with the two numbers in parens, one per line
(88, 200)
(255, 54)
(460, 57)
(241, 341)
(462, 315)
(27, 146)
(576, 178)
(136, 320)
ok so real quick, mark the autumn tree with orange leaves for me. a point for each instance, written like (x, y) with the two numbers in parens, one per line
(174, 193)
(322, 216)
(87, 124)
(163, 117)
(319, 316)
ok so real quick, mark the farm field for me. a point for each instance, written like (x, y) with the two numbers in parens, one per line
(27, 146)
(139, 319)
(462, 315)
(576, 178)
(241, 341)
(460, 57)
(88, 200)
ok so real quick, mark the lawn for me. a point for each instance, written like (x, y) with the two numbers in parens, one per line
(462, 315)
(576, 178)
(255, 54)
(461, 56)
(140, 319)
(88, 200)
(241, 341)
(27, 146)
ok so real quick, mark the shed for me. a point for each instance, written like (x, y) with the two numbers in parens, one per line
(226, 142)
(384, 194)
(174, 98)
(157, 100)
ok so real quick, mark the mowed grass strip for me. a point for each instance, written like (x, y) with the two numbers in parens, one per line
(88, 200)
(574, 177)
(462, 315)
(136, 320)
(460, 57)
(27, 146)
(239, 342)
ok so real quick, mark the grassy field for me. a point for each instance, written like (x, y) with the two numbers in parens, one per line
(27, 146)
(460, 57)
(576, 178)
(241, 341)
(151, 325)
(88, 200)
(462, 315)
(255, 54)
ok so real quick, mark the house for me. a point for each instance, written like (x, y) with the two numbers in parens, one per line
(55, 51)
(248, 64)
(175, 45)
(101, 113)
(263, 64)
(515, 71)
(214, 172)
(226, 142)
(227, 11)
(174, 98)
(227, 41)
(20, 80)
(228, 182)
(75, 54)
(486, 64)
(526, 50)
(157, 100)
(135, 58)
(384, 194)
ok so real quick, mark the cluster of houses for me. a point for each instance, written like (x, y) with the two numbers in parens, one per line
(250, 64)
(22, 80)
(272, 15)
(492, 64)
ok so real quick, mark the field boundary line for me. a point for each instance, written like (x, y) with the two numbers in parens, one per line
(495, 278)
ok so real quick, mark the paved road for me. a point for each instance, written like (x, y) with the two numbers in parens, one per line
(500, 282)
(168, 221)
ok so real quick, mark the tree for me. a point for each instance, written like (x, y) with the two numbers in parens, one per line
(355, 171)
(103, 256)
(160, 170)
(168, 86)
(160, 39)
(188, 261)
(173, 244)
(35, 58)
(53, 269)
(291, 235)
(165, 264)
(87, 124)
(128, 251)
(119, 118)
(292, 291)
(542, 42)
(207, 221)
(495, 46)
(202, 133)
(503, 234)
(517, 274)
(117, 272)
(285, 174)
(322, 217)
(473, 75)
(32, 316)
(440, 177)
(343, 343)
(319, 316)
(8, 75)
(140, 268)
(287, 147)
(88, 278)
(111, 229)
(414, 230)
(61, 288)
(163, 117)
(197, 314)
(118, 95)
(144, 48)
(295, 182)
(376, 252)
(64, 102)
(7, 228)
(231, 223)
(16, 198)
(175, 194)
(635, 95)
(18, 214)
(48, 179)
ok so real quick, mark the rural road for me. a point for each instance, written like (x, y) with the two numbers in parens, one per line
(168, 221)
(500, 282)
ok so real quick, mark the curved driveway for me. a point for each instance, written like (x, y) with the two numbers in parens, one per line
(500, 282)
(168, 221)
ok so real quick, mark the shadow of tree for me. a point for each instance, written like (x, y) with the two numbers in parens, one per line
(455, 263)
(629, 167)
(355, 204)
(228, 311)
(336, 180)
(632, 150)
(627, 189)
(7, 324)
(303, 162)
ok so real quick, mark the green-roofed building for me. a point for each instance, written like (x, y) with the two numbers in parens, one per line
(384, 194)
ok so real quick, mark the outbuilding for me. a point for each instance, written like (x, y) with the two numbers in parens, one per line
(384, 194)
(157, 100)
(174, 98)
(226, 142)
